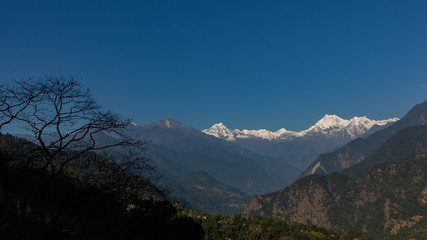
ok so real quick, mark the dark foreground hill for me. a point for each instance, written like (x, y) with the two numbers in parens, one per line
(79, 204)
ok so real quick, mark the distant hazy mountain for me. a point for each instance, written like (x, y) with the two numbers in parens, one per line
(384, 195)
(227, 162)
(196, 189)
(203, 171)
(301, 148)
(357, 150)
(206, 172)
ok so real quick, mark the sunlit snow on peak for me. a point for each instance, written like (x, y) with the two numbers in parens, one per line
(329, 125)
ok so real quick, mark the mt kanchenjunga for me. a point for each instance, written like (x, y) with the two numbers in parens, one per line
(300, 149)
(329, 125)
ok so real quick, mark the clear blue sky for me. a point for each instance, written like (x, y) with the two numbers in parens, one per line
(248, 64)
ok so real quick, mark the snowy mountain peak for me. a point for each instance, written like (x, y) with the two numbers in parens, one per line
(219, 126)
(329, 125)
(329, 121)
(387, 121)
(331, 116)
(219, 130)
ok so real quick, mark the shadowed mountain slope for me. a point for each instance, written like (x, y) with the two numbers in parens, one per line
(359, 149)
(387, 199)
(228, 163)
(301, 148)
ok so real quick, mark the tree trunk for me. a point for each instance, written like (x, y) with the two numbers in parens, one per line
(4, 183)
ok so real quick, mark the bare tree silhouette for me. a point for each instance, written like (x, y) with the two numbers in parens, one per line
(65, 122)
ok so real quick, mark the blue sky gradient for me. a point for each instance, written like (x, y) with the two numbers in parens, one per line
(248, 64)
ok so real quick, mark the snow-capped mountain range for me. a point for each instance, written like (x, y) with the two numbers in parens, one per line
(329, 125)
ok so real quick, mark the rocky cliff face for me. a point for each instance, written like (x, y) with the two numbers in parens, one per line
(306, 202)
(387, 199)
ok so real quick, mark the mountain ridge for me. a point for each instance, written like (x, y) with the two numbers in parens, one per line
(206, 153)
(385, 198)
(300, 149)
(359, 149)
(328, 125)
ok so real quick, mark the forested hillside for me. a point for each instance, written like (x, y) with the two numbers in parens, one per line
(219, 227)
(388, 199)
(84, 203)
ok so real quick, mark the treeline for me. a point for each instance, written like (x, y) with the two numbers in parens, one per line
(218, 227)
